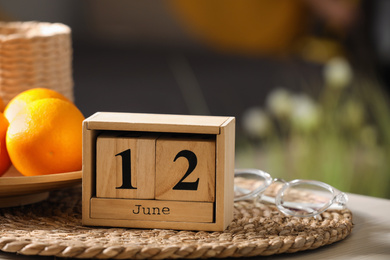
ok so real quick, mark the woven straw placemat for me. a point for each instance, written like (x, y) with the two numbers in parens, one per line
(53, 228)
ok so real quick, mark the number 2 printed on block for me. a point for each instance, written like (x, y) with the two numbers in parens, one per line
(185, 169)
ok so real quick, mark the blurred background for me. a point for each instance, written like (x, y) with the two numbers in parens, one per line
(307, 80)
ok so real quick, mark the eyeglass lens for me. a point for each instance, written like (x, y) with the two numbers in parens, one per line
(246, 186)
(305, 199)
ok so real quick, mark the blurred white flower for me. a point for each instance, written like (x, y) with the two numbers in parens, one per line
(305, 114)
(338, 73)
(279, 103)
(256, 123)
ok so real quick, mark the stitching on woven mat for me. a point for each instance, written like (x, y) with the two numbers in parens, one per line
(53, 228)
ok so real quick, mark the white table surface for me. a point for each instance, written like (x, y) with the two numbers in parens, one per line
(370, 237)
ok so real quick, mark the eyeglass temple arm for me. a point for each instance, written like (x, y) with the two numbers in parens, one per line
(298, 205)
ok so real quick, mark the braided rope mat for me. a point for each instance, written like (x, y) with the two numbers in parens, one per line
(53, 228)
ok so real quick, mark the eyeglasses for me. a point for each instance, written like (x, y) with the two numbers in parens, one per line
(299, 198)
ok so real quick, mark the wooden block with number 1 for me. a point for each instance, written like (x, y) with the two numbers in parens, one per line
(125, 165)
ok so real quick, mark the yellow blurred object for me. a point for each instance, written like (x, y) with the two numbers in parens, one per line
(319, 50)
(244, 27)
(46, 138)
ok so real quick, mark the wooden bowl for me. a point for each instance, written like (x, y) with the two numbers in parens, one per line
(18, 190)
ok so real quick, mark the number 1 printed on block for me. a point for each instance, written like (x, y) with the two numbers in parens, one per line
(125, 166)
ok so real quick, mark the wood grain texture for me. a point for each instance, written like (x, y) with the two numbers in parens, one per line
(13, 183)
(172, 166)
(156, 123)
(109, 165)
(223, 130)
(225, 174)
(89, 168)
(151, 210)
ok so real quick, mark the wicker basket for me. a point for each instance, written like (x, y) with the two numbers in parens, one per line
(35, 54)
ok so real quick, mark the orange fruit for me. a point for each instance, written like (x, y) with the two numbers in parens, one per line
(5, 162)
(46, 137)
(22, 99)
(2, 106)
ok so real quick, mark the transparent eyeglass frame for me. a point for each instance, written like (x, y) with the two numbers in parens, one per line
(337, 200)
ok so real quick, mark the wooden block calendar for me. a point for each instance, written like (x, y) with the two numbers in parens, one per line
(158, 171)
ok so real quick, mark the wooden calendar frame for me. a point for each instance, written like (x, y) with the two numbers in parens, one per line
(222, 127)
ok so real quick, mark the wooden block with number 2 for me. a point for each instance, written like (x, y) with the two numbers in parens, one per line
(185, 168)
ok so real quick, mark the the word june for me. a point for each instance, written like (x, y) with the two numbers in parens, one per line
(150, 211)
